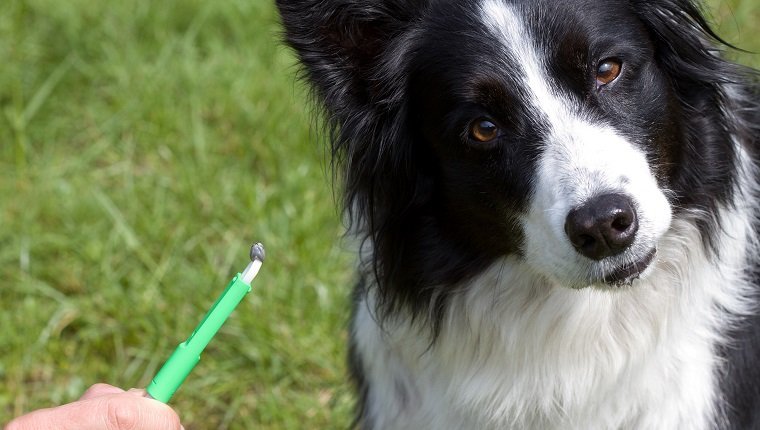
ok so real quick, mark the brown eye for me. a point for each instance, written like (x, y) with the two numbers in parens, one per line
(607, 71)
(483, 130)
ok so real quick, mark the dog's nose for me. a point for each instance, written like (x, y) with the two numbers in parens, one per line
(603, 226)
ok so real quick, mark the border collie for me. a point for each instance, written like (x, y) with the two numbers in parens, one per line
(557, 203)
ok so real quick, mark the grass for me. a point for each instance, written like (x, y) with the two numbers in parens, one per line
(143, 146)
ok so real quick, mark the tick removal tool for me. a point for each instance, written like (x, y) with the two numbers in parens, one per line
(188, 353)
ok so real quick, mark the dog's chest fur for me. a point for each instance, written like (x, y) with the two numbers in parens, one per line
(517, 352)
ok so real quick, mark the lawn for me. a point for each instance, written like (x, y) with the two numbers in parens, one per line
(143, 147)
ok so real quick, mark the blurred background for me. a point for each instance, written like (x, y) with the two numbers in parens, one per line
(144, 146)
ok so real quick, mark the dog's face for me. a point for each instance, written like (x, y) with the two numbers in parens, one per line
(551, 129)
(563, 134)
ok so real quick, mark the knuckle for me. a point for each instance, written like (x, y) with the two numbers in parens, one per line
(93, 389)
(97, 390)
(121, 414)
(98, 387)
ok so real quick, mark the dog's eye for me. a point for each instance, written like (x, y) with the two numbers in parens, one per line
(483, 130)
(607, 71)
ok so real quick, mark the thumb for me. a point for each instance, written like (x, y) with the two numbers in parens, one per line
(123, 411)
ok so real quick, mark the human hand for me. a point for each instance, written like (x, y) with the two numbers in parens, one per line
(102, 407)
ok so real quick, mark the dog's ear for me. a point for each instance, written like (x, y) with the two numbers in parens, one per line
(340, 43)
(685, 43)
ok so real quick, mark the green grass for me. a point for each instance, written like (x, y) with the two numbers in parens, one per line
(143, 146)
(738, 22)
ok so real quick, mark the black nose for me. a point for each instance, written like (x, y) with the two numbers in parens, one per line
(603, 226)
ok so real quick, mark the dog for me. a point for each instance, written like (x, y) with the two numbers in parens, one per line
(555, 206)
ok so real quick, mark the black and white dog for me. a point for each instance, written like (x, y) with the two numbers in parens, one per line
(558, 202)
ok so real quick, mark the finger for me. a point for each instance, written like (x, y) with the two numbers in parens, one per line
(109, 412)
(98, 390)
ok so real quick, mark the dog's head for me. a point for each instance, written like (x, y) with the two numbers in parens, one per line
(565, 134)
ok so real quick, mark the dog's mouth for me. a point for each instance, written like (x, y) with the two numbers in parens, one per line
(627, 273)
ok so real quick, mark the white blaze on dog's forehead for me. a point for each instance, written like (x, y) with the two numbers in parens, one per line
(580, 158)
(591, 156)
(508, 26)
